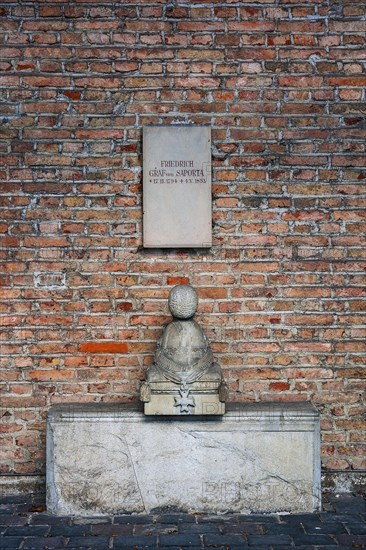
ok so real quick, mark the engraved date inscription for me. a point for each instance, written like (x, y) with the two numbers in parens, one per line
(177, 172)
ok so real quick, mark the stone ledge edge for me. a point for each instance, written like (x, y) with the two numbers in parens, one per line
(337, 481)
(133, 412)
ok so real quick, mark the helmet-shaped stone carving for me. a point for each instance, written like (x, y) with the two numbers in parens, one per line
(184, 378)
(183, 301)
(183, 352)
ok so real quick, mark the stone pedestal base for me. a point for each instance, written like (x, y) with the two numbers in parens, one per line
(108, 459)
(178, 405)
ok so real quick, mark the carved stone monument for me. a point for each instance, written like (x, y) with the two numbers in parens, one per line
(114, 458)
(184, 379)
(105, 459)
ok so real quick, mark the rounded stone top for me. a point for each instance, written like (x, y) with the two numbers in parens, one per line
(183, 301)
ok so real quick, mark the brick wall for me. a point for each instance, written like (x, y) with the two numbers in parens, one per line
(281, 82)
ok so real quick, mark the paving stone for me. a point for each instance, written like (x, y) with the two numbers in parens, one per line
(46, 519)
(155, 529)
(263, 540)
(356, 528)
(121, 542)
(135, 519)
(355, 541)
(28, 531)
(176, 518)
(325, 528)
(297, 519)
(214, 519)
(10, 542)
(91, 521)
(13, 520)
(242, 528)
(180, 540)
(14, 499)
(349, 504)
(89, 541)
(71, 530)
(283, 529)
(314, 539)
(305, 547)
(215, 540)
(43, 542)
(112, 530)
(200, 528)
(6, 509)
(257, 518)
(339, 518)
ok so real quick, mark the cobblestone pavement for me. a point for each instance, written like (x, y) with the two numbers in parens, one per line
(24, 524)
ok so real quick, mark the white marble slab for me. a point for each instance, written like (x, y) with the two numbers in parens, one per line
(177, 201)
(106, 459)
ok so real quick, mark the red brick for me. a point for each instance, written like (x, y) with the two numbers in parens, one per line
(255, 373)
(124, 306)
(177, 280)
(104, 347)
(213, 293)
(51, 375)
(197, 82)
(25, 66)
(107, 82)
(251, 53)
(126, 66)
(300, 81)
(72, 94)
(279, 386)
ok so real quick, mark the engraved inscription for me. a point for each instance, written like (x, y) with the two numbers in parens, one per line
(177, 200)
(176, 171)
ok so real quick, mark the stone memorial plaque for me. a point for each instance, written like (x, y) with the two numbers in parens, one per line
(177, 187)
